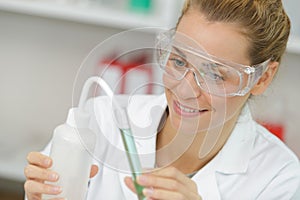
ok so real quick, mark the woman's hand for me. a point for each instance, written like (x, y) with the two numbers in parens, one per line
(37, 172)
(166, 184)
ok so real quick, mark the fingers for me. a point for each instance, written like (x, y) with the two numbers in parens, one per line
(37, 168)
(94, 170)
(38, 159)
(168, 183)
(159, 182)
(163, 194)
(58, 199)
(129, 183)
(35, 172)
(152, 188)
(34, 187)
(173, 173)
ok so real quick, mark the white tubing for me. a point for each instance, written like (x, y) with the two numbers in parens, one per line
(87, 86)
(119, 112)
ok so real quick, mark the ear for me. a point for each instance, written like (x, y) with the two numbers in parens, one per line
(266, 79)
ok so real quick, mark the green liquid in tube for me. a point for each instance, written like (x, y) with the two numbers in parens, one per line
(133, 159)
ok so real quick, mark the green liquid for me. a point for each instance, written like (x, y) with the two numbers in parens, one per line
(134, 160)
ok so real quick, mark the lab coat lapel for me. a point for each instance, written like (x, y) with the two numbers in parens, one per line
(207, 182)
(235, 155)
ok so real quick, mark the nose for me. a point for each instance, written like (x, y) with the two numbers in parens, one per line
(187, 87)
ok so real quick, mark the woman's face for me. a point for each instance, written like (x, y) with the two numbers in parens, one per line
(191, 109)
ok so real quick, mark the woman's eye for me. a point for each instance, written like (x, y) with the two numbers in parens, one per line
(178, 62)
(214, 76)
(212, 72)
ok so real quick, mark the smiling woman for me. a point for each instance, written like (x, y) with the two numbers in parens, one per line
(202, 142)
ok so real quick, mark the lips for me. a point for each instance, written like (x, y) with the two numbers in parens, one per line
(187, 111)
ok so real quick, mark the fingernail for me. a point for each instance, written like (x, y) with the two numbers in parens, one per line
(53, 176)
(142, 179)
(47, 162)
(56, 189)
(148, 191)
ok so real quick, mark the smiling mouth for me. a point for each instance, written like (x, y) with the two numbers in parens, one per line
(188, 110)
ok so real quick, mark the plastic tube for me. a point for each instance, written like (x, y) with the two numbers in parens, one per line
(87, 86)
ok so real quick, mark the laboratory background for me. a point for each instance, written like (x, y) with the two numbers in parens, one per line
(44, 42)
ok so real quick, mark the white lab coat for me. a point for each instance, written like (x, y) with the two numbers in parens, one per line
(253, 164)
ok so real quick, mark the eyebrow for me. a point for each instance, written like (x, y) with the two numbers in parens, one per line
(180, 52)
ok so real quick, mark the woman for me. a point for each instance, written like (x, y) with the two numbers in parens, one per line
(207, 145)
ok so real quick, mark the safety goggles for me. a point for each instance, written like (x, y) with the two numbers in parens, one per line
(178, 55)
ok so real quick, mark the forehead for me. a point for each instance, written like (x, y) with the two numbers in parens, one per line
(222, 40)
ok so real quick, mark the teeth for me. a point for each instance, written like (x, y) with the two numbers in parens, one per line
(187, 109)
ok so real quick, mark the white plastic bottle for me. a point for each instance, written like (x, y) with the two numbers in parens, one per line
(72, 153)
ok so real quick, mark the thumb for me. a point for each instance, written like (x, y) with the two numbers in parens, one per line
(94, 170)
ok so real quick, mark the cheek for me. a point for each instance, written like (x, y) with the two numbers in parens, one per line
(227, 108)
(224, 109)
(168, 82)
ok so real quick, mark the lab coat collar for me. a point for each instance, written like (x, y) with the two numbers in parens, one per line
(207, 181)
(235, 155)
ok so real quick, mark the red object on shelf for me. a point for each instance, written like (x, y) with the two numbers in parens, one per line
(125, 67)
(275, 128)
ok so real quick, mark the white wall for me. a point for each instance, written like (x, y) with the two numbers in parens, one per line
(290, 91)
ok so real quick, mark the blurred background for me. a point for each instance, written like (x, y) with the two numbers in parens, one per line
(44, 42)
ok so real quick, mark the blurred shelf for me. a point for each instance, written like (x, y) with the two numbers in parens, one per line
(163, 14)
(293, 45)
(84, 11)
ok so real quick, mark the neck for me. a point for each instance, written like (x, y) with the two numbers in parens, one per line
(178, 149)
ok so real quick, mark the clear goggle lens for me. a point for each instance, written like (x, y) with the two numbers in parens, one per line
(177, 57)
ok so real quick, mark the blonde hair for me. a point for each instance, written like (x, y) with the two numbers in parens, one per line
(264, 23)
